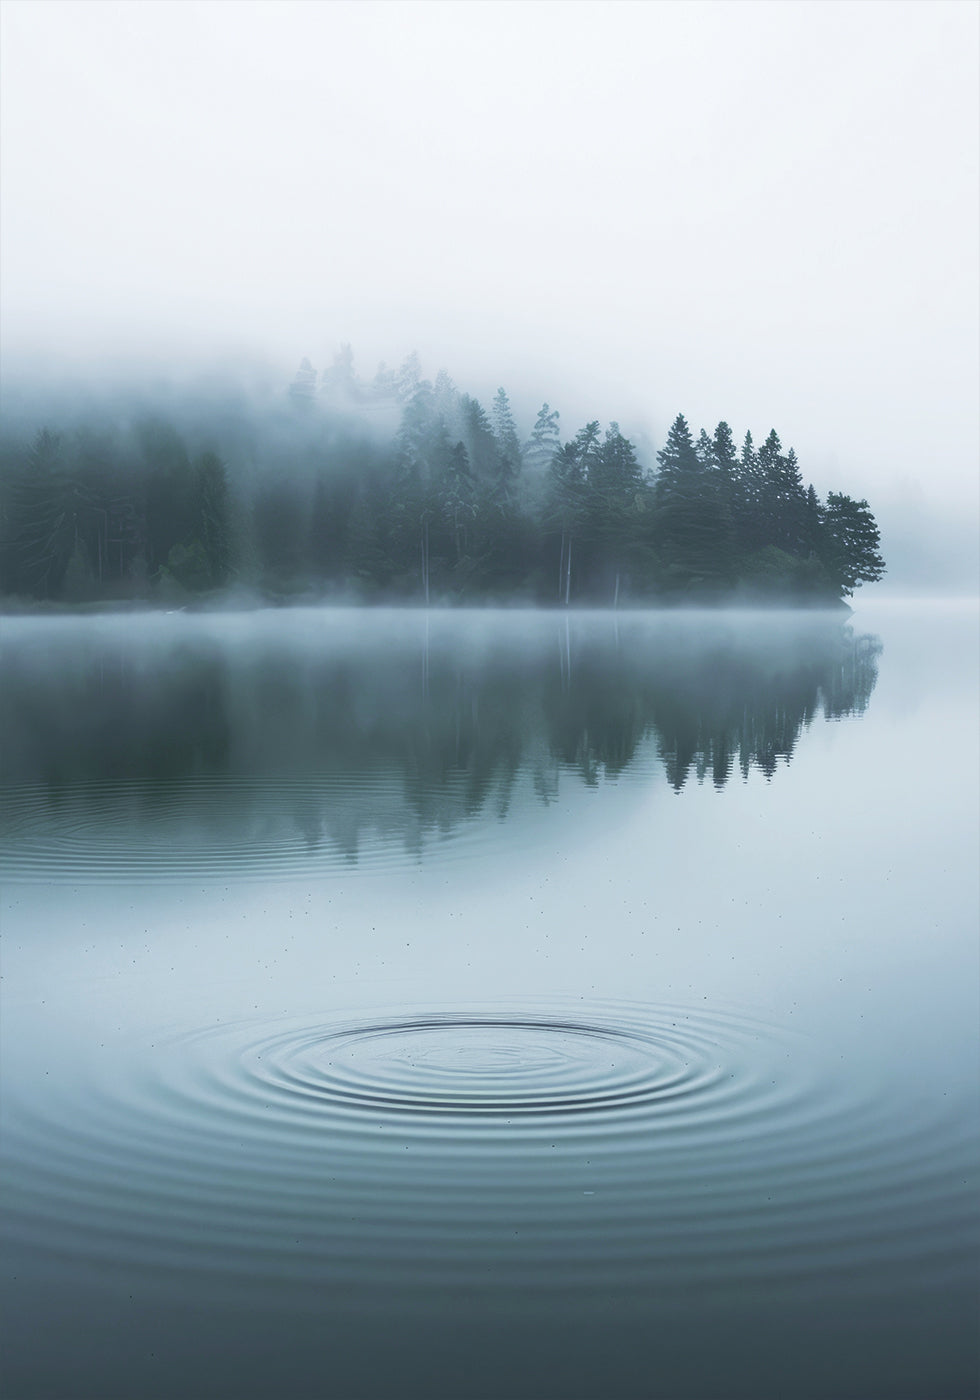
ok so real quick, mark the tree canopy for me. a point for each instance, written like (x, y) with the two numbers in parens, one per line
(401, 488)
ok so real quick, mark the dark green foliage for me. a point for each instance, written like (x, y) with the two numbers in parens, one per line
(39, 518)
(538, 454)
(508, 443)
(691, 523)
(405, 488)
(212, 485)
(280, 523)
(849, 543)
(171, 489)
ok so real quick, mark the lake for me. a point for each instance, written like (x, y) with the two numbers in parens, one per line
(483, 1004)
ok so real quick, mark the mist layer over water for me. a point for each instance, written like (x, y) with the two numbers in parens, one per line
(480, 1005)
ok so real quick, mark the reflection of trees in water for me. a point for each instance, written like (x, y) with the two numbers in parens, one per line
(741, 700)
(407, 739)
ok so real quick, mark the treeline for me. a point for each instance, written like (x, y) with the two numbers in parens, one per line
(405, 488)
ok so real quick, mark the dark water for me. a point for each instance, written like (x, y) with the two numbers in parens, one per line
(490, 1005)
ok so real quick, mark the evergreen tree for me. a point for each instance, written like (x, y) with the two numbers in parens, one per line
(726, 462)
(705, 451)
(110, 509)
(613, 505)
(384, 385)
(541, 449)
(678, 458)
(368, 560)
(457, 500)
(212, 484)
(813, 521)
(413, 494)
(781, 500)
(280, 530)
(445, 397)
(747, 507)
(339, 381)
(792, 507)
(303, 388)
(40, 520)
(690, 522)
(766, 519)
(408, 378)
(171, 490)
(850, 539)
(566, 500)
(615, 475)
(723, 450)
(508, 443)
(481, 445)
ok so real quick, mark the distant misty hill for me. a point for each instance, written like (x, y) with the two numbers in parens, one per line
(402, 488)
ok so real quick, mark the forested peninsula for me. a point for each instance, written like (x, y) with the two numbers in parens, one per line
(402, 489)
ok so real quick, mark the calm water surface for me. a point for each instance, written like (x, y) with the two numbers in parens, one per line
(484, 1004)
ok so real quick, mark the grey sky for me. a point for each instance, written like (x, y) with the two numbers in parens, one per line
(764, 212)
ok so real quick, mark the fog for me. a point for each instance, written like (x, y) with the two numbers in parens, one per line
(766, 214)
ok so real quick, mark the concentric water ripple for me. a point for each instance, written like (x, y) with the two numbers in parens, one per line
(481, 1065)
(605, 1146)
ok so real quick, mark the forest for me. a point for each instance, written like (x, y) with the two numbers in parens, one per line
(404, 489)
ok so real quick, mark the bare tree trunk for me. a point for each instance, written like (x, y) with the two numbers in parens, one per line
(568, 571)
(425, 557)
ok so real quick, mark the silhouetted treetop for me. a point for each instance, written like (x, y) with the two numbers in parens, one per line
(403, 487)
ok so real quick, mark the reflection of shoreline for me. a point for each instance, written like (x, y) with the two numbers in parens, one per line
(229, 604)
(405, 726)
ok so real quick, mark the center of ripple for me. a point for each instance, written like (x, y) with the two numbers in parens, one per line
(479, 1065)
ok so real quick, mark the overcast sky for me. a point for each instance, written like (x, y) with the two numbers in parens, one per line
(762, 212)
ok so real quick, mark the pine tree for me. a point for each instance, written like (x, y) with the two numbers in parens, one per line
(615, 475)
(40, 521)
(781, 500)
(543, 444)
(566, 498)
(766, 519)
(457, 499)
(212, 484)
(705, 450)
(678, 458)
(813, 521)
(303, 388)
(723, 449)
(690, 522)
(726, 462)
(792, 508)
(171, 490)
(481, 445)
(505, 431)
(339, 381)
(850, 543)
(614, 486)
(408, 378)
